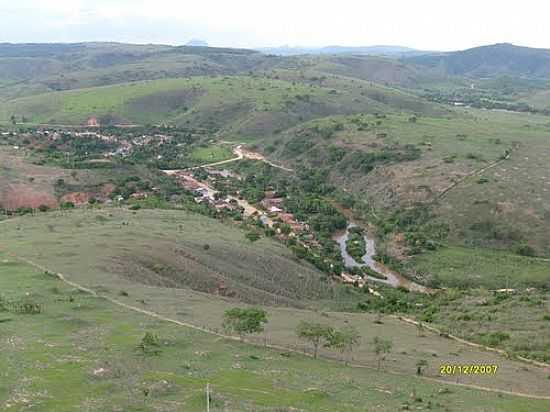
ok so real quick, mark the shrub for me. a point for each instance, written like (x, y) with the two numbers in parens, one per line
(493, 338)
(244, 321)
(525, 250)
(252, 236)
(150, 344)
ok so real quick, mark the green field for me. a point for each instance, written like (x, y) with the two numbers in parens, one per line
(459, 266)
(456, 197)
(81, 353)
(246, 106)
(211, 154)
(118, 261)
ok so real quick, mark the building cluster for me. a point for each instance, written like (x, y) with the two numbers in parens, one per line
(203, 194)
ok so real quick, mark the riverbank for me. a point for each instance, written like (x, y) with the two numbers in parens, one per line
(387, 276)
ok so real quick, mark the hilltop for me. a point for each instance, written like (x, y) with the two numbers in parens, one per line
(397, 201)
(490, 61)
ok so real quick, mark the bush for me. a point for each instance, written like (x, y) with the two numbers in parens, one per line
(150, 344)
(244, 321)
(525, 250)
(493, 338)
(252, 236)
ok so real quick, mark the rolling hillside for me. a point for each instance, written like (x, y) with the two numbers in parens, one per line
(490, 61)
(252, 106)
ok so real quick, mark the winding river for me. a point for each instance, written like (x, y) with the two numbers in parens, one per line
(392, 278)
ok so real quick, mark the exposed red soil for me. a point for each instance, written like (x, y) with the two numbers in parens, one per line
(107, 189)
(21, 195)
(77, 198)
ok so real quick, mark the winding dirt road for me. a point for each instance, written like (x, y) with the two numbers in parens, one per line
(241, 154)
(63, 278)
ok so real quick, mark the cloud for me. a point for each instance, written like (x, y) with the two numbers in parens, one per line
(428, 24)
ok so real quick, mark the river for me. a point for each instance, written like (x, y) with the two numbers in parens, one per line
(392, 278)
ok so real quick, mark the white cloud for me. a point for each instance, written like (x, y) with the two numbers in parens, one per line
(428, 24)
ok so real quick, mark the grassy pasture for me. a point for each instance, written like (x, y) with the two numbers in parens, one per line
(511, 197)
(248, 106)
(493, 269)
(84, 247)
(173, 249)
(211, 154)
(81, 353)
(229, 97)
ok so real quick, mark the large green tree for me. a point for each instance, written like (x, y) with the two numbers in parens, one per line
(243, 321)
(314, 333)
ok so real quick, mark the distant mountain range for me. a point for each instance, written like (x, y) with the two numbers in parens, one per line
(197, 43)
(393, 51)
(489, 61)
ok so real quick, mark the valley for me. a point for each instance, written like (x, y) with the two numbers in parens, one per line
(148, 192)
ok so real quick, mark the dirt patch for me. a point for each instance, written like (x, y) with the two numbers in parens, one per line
(21, 195)
(107, 189)
(77, 198)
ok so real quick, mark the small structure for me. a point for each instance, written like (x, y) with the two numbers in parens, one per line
(93, 122)
(139, 195)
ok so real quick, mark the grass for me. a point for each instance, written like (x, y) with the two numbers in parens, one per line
(205, 101)
(475, 267)
(87, 357)
(518, 318)
(211, 154)
(166, 248)
(85, 248)
(514, 196)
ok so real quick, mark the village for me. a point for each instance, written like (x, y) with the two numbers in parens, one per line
(217, 189)
(269, 211)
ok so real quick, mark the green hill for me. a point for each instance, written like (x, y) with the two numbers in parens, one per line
(490, 61)
(84, 352)
(240, 105)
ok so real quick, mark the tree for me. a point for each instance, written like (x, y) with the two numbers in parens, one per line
(150, 344)
(13, 119)
(67, 205)
(314, 333)
(381, 348)
(244, 321)
(344, 339)
(422, 363)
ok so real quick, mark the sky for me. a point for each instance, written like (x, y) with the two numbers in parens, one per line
(420, 24)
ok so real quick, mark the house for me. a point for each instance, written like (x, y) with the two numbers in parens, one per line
(222, 204)
(200, 191)
(352, 279)
(268, 203)
(287, 218)
(275, 209)
(139, 195)
(92, 122)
